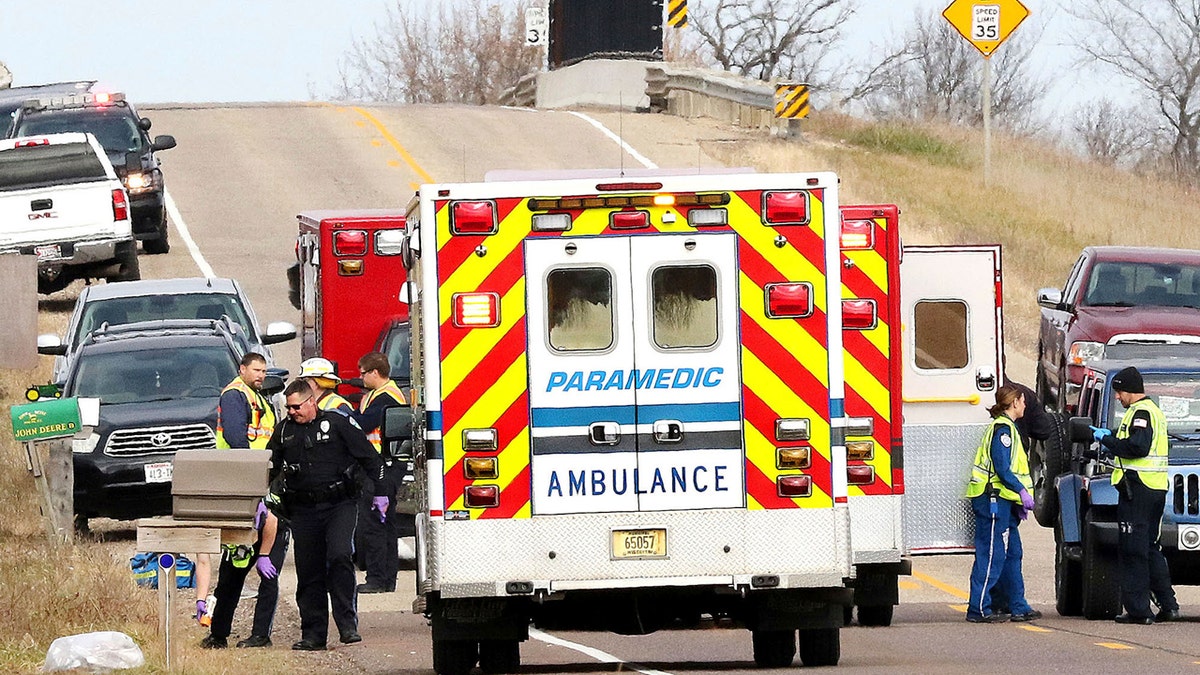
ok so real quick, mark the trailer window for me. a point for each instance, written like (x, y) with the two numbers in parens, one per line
(579, 309)
(685, 307)
(940, 333)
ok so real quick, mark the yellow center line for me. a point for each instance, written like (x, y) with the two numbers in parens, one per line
(1113, 645)
(1036, 629)
(387, 136)
(941, 585)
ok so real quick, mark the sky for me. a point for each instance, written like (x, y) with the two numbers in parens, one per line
(161, 51)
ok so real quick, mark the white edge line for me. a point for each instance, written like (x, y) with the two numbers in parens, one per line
(603, 657)
(617, 139)
(177, 219)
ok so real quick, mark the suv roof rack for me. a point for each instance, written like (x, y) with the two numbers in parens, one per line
(224, 325)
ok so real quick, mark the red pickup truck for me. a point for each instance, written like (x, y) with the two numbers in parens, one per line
(1117, 300)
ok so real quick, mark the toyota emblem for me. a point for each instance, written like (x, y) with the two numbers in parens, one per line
(160, 440)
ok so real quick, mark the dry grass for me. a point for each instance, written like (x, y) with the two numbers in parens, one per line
(1042, 205)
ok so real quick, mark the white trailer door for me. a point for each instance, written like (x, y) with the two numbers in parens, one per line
(952, 347)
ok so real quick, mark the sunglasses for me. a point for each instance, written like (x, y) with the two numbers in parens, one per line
(296, 406)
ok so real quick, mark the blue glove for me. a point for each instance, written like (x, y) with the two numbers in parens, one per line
(1026, 502)
(260, 516)
(201, 609)
(379, 505)
(266, 568)
(1098, 433)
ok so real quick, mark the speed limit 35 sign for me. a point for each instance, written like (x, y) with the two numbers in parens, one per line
(986, 23)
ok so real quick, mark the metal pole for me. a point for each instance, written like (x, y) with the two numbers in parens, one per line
(166, 602)
(987, 121)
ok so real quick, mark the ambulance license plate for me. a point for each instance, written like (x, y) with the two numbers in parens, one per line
(159, 472)
(635, 544)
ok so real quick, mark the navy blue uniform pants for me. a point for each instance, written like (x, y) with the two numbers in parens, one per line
(998, 555)
(324, 538)
(1139, 556)
(230, 581)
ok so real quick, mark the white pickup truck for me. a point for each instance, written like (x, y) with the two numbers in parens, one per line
(61, 200)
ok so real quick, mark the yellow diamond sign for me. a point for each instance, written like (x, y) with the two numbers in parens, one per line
(986, 23)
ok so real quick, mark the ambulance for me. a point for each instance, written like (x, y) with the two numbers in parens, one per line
(346, 283)
(647, 401)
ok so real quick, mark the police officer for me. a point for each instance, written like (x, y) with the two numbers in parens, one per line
(379, 541)
(1140, 473)
(245, 418)
(324, 380)
(999, 494)
(317, 452)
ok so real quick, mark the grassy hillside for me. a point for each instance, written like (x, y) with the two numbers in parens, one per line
(1042, 205)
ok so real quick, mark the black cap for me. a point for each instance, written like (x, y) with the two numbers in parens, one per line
(1128, 380)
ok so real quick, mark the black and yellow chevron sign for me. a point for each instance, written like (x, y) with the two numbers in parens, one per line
(677, 13)
(791, 101)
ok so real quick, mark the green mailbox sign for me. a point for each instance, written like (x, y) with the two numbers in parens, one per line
(51, 418)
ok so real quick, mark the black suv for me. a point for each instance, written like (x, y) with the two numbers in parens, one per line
(125, 137)
(158, 383)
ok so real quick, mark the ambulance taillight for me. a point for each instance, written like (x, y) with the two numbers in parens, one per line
(860, 475)
(481, 496)
(789, 300)
(857, 235)
(476, 310)
(350, 242)
(785, 208)
(629, 220)
(481, 468)
(794, 486)
(859, 314)
(473, 217)
(793, 458)
(860, 451)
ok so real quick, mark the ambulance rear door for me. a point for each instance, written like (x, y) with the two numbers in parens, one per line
(633, 366)
(952, 347)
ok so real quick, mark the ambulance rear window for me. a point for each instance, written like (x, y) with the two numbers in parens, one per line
(940, 332)
(579, 309)
(685, 307)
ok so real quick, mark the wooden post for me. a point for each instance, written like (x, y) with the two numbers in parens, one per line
(166, 603)
(55, 479)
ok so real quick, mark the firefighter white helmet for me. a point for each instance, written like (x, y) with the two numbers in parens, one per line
(319, 367)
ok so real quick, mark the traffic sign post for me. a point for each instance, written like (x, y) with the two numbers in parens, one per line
(986, 24)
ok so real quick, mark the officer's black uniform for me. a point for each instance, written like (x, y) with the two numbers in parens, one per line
(1036, 424)
(1143, 569)
(318, 460)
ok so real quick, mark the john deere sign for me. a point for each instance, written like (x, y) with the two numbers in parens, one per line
(51, 418)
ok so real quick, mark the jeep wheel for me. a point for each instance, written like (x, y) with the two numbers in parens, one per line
(129, 269)
(1101, 592)
(774, 648)
(820, 646)
(1047, 460)
(159, 245)
(1068, 579)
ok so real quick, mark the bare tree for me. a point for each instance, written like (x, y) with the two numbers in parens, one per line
(768, 39)
(464, 51)
(932, 72)
(1156, 45)
(1114, 134)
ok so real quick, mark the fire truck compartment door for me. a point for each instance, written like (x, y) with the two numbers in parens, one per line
(952, 327)
(633, 371)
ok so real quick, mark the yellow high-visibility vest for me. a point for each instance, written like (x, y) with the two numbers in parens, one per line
(262, 417)
(983, 474)
(388, 389)
(1151, 469)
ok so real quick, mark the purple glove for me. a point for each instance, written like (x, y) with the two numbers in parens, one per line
(1026, 501)
(260, 516)
(1022, 513)
(379, 505)
(265, 567)
(201, 609)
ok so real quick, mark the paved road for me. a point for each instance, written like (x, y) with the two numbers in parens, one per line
(240, 175)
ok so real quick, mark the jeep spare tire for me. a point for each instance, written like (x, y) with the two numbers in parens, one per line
(1048, 460)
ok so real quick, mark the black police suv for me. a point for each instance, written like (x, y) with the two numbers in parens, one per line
(125, 137)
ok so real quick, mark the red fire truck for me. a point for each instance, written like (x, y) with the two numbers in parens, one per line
(346, 282)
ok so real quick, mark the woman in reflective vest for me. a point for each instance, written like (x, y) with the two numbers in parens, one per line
(242, 402)
(1000, 498)
(1141, 477)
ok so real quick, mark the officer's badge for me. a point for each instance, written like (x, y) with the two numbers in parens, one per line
(325, 426)
(1006, 440)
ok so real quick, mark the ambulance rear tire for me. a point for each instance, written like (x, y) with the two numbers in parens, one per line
(876, 615)
(499, 656)
(821, 646)
(454, 657)
(774, 648)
